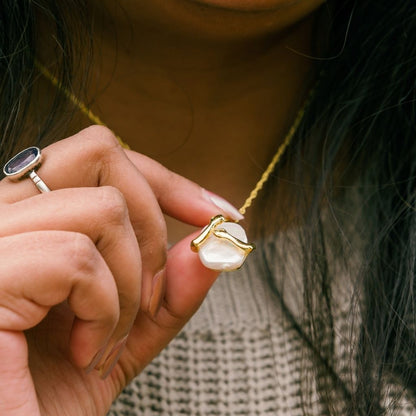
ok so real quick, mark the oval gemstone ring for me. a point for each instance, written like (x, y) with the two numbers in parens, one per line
(24, 164)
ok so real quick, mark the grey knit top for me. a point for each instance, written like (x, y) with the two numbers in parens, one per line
(239, 355)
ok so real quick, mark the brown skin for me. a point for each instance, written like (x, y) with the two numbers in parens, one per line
(77, 265)
(211, 92)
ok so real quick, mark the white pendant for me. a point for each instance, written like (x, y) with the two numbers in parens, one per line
(222, 245)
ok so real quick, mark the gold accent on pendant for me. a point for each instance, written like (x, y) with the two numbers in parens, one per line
(225, 235)
(214, 236)
(205, 233)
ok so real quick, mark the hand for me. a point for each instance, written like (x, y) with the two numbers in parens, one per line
(84, 271)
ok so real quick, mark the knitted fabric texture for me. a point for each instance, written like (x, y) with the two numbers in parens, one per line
(229, 360)
(239, 355)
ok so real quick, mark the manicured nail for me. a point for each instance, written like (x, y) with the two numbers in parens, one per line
(228, 209)
(158, 292)
(105, 367)
(95, 360)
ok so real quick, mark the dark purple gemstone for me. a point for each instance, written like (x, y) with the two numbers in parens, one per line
(23, 161)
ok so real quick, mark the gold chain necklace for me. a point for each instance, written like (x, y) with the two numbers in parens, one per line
(222, 244)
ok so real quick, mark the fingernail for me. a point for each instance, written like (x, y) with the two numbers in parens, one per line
(106, 366)
(158, 292)
(228, 209)
(95, 360)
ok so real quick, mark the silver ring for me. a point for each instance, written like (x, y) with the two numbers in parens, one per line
(24, 164)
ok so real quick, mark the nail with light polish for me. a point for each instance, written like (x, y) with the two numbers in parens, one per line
(230, 210)
(95, 360)
(158, 292)
(105, 367)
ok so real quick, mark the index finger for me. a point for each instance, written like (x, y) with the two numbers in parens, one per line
(94, 158)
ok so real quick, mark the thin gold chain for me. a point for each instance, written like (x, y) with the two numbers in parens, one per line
(78, 103)
(264, 177)
(276, 158)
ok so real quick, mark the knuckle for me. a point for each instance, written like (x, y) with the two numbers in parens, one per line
(82, 254)
(112, 204)
(172, 321)
(102, 144)
(103, 137)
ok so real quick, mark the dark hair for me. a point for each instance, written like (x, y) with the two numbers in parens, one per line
(358, 201)
(26, 29)
(353, 172)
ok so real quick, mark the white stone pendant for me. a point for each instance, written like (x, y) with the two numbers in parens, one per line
(222, 245)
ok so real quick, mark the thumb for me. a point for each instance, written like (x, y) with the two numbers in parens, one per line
(187, 284)
(187, 280)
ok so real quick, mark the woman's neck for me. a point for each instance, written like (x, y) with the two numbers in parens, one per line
(213, 112)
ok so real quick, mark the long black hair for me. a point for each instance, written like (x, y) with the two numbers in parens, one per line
(352, 164)
(28, 29)
(353, 170)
